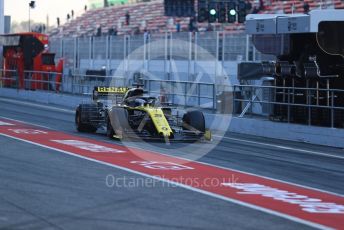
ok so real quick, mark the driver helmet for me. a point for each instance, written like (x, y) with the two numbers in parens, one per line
(139, 102)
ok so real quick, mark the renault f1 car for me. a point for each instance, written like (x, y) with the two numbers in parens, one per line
(131, 113)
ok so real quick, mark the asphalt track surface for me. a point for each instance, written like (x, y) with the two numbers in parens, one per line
(44, 189)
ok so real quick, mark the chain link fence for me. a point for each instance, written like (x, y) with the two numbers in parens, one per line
(86, 52)
(195, 65)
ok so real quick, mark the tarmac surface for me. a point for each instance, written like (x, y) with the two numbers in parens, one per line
(44, 189)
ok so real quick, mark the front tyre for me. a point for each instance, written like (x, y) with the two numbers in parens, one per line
(194, 121)
(80, 125)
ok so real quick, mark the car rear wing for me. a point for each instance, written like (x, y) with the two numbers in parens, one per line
(109, 93)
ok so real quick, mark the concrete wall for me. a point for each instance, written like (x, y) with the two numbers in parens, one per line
(284, 131)
(69, 101)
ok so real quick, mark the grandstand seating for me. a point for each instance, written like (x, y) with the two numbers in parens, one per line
(150, 15)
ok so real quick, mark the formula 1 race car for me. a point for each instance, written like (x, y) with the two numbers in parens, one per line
(131, 113)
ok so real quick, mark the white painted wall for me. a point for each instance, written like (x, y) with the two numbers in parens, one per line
(2, 16)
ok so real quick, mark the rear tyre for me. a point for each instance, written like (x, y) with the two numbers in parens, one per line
(80, 125)
(194, 121)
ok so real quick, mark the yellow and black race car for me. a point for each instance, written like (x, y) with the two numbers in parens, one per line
(131, 113)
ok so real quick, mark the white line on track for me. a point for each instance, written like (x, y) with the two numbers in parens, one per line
(271, 212)
(37, 105)
(29, 123)
(283, 147)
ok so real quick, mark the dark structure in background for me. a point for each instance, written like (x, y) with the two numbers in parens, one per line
(305, 7)
(221, 11)
(106, 3)
(241, 11)
(202, 10)
(94, 74)
(127, 18)
(309, 52)
(179, 8)
(32, 4)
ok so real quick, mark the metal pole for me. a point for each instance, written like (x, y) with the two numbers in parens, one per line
(185, 92)
(317, 92)
(64, 63)
(234, 100)
(129, 53)
(110, 50)
(293, 85)
(199, 94)
(148, 52)
(284, 85)
(173, 95)
(166, 56)
(251, 100)
(288, 90)
(124, 53)
(75, 64)
(144, 53)
(308, 103)
(170, 56)
(90, 52)
(247, 47)
(189, 58)
(328, 91)
(223, 54)
(275, 89)
(49, 76)
(332, 110)
(61, 50)
(29, 18)
(78, 53)
(214, 97)
(107, 52)
(195, 58)
(217, 54)
(63, 43)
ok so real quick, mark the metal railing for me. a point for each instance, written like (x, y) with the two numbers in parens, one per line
(178, 93)
(312, 106)
(31, 80)
(199, 94)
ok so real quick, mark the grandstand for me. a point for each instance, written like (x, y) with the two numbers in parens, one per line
(150, 16)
